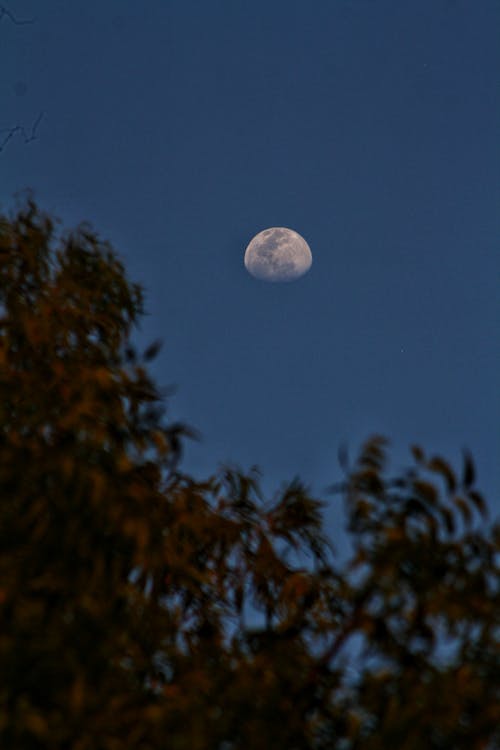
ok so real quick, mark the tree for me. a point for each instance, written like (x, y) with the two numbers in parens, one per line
(142, 609)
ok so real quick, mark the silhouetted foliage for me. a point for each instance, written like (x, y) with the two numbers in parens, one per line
(140, 608)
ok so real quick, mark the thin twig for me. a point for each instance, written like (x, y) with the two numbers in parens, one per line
(26, 135)
(6, 13)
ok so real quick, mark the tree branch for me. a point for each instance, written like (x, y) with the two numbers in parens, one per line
(27, 135)
(6, 13)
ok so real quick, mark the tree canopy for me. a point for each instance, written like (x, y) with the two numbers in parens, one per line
(141, 608)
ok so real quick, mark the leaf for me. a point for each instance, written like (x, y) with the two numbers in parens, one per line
(373, 453)
(469, 471)
(343, 457)
(478, 501)
(448, 519)
(395, 534)
(130, 355)
(426, 491)
(102, 376)
(439, 466)
(296, 586)
(414, 507)
(161, 442)
(239, 597)
(369, 480)
(76, 697)
(363, 509)
(418, 454)
(36, 723)
(464, 509)
(152, 350)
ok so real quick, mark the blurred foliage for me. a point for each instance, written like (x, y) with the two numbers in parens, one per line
(140, 608)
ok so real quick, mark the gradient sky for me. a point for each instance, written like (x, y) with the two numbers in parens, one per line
(181, 128)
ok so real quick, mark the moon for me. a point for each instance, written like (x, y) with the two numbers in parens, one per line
(278, 254)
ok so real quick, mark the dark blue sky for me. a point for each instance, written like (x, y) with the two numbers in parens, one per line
(180, 129)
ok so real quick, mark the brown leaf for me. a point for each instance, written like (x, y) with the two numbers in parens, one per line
(418, 454)
(478, 501)
(439, 466)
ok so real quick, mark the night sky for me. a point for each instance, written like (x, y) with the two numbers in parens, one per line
(180, 129)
